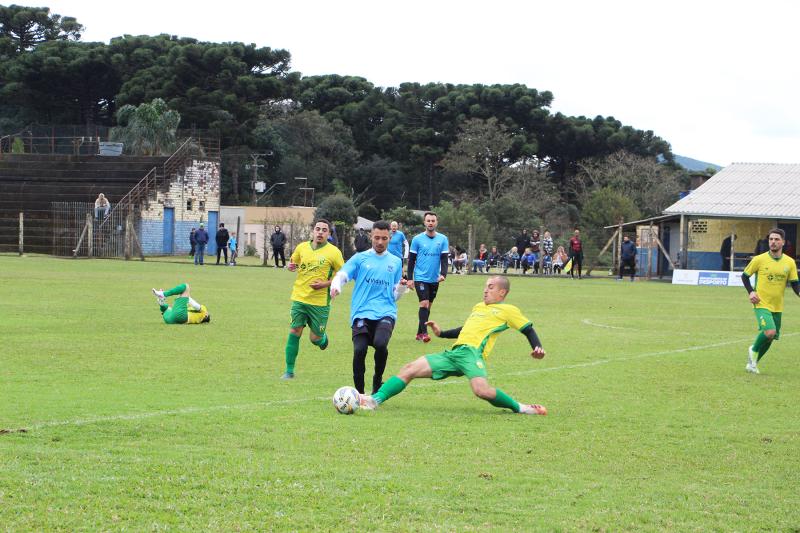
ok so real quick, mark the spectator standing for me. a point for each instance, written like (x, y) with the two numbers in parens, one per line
(547, 243)
(536, 243)
(192, 241)
(725, 252)
(397, 242)
(627, 257)
(101, 205)
(762, 246)
(576, 253)
(200, 239)
(361, 241)
(278, 243)
(222, 242)
(522, 241)
(234, 250)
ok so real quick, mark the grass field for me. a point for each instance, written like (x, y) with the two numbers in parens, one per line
(130, 424)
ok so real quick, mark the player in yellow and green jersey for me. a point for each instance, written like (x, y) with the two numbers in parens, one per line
(773, 269)
(184, 310)
(467, 357)
(315, 261)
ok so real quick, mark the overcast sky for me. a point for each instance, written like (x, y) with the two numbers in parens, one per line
(719, 80)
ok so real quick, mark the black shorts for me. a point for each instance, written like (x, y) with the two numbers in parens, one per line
(426, 291)
(365, 326)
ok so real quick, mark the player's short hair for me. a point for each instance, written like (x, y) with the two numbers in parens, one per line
(430, 213)
(777, 231)
(503, 282)
(221, 224)
(324, 221)
(381, 224)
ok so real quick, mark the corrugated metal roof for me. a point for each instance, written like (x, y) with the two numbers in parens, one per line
(746, 190)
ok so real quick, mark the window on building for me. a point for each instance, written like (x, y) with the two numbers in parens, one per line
(188, 205)
(202, 205)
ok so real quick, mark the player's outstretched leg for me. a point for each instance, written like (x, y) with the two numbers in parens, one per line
(290, 352)
(418, 368)
(480, 386)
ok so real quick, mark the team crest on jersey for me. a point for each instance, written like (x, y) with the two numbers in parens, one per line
(390, 268)
(479, 364)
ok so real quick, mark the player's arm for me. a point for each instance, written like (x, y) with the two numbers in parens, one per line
(533, 339)
(345, 274)
(446, 334)
(412, 261)
(443, 266)
(796, 287)
(751, 293)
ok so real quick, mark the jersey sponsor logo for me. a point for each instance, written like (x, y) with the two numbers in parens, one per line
(376, 281)
(479, 364)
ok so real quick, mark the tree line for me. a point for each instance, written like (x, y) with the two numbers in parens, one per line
(499, 148)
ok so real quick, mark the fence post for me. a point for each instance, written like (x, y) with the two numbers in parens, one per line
(127, 237)
(90, 234)
(470, 248)
(264, 253)
(21, 233)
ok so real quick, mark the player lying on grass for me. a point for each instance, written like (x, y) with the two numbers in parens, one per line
(184, 310)
(474, 341)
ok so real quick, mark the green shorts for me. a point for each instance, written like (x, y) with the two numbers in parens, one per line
(766, 319)
(461, 360)
(313, 316)
(179, 313)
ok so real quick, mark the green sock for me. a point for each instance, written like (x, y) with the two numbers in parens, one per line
(175, 290)
(761, 344)
(392, 387)
(504, 400)
(163, 308)
(292, 347)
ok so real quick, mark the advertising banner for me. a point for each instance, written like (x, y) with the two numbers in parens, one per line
(716, 278)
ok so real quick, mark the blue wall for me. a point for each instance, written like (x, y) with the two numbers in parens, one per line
(151, 236)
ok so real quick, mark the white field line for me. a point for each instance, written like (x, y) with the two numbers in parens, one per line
(193, 410)
(590, 323)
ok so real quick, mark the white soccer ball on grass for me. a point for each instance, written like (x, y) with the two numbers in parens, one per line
(345, 400)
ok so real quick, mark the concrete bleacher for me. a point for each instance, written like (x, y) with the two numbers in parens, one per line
(29, 183)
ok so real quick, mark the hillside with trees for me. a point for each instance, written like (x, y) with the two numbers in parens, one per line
(499, 148)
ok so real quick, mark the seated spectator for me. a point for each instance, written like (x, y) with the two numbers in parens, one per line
(495, 259)
(101, 205)
(528, 260)
(460, 262)
(451, 259)
(559, 260)
(511, 259)
(547, 264)
(479, 263)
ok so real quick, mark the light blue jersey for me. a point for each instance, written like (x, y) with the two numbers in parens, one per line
(375, 278)
(396, 244)
(429, 252)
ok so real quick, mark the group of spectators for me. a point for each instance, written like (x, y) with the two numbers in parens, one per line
(534, 253)
(198, 240)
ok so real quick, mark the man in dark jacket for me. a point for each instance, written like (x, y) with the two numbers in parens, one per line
(222, 242)
(522, 242)
(200, 239)
(278, 242)
(192, 242)
(361, 241)
(627, 257)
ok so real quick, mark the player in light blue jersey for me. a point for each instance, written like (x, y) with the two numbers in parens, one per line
(397, 241)
(427, 267)
(378, 279)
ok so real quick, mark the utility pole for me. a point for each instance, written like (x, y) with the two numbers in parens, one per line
(254, 166)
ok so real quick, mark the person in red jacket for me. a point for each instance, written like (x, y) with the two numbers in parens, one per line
(576, 253)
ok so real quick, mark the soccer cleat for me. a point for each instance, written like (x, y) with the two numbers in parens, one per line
(418, 337)
(158, 293)
(426, 337)
(367, 403)
(532, 409)
(287, 376)
(752, 368)
(324, 343)
(752, 357)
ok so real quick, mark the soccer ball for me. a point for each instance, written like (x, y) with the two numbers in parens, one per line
(345, 400)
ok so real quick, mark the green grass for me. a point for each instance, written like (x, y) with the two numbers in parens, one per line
(132, 424)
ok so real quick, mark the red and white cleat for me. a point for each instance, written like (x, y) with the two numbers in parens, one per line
(367, 403)
(532, 409)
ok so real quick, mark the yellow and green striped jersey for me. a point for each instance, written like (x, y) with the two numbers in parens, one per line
(771, 277)
(314, 265)
(486, 322)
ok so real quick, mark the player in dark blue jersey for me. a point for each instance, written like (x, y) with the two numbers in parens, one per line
(427, 267)
(378, 277)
